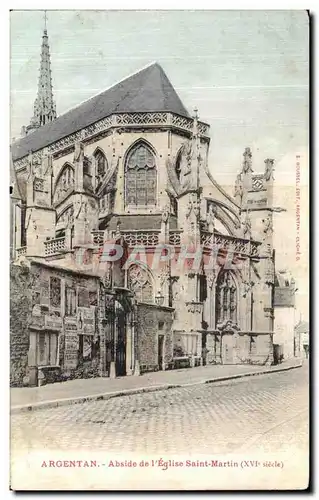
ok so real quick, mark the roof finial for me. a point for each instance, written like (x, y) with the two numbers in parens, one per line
(45, 21)
(44, 105)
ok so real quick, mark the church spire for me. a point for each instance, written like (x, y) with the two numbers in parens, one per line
(44, 105)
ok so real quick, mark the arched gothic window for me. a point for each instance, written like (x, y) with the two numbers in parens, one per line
(101, 166)
(226, 298)
(140, 177)
(65, 183)
(139, 281)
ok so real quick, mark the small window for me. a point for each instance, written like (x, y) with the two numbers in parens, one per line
(47, 349)
(160, 325)
(83, 297)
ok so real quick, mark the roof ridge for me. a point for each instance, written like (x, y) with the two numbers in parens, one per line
(154, 63)
(145, 91)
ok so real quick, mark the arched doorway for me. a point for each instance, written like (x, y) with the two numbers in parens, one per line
(226, 304)
(120, 339)
(226, 315)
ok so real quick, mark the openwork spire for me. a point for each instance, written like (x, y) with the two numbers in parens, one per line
(44, 105)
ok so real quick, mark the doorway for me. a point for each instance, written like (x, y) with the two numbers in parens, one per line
(120, 348)
(160, 351)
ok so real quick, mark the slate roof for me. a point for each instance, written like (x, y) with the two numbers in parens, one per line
(148, 90)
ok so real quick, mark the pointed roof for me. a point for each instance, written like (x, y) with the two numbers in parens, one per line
(148, 90)
(44, 105)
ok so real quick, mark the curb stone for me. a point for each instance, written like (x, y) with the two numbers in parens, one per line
(139, 390)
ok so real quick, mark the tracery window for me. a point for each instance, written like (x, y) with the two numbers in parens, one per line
(139, 281)
(65, 183)
(140, 177)
(101, 166)
(226, 298)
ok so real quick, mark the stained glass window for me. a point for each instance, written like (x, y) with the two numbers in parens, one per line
(65, 182)
(140, 177)
(226, 298)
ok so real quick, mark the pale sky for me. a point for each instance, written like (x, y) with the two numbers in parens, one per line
(245, 71)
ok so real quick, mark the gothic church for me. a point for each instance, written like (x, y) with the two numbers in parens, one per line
(130, 167)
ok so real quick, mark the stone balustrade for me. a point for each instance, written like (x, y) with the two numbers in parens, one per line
(175, 238)
(98, 238)
(21, 251)
(147, 238)
(54, 246)
(230, 243)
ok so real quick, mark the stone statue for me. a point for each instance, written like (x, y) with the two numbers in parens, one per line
(80, 204)
(30, 166)
(211, 216)
(269, 169)
(196, 208)
(78, 151)
(189, 208)
(247, 163)
(238, 188)
(186, 163)
(165, 214)
(247, 226)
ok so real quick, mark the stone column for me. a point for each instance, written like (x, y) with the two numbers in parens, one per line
(129, 339)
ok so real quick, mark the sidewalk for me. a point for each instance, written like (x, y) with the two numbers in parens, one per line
(81, 390)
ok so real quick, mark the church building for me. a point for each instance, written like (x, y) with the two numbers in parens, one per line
(127, 255)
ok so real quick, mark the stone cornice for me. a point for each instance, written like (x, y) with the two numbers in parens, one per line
(121, 120)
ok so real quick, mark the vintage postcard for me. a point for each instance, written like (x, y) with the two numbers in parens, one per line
(159, 323)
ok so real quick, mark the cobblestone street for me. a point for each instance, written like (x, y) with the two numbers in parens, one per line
(267, 412)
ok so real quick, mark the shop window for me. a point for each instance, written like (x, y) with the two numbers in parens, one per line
(47, 349)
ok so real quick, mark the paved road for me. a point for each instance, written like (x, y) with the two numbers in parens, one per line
(265, 412)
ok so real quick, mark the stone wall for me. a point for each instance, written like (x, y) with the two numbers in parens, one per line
(20, 306)
(244, 348)
(34, 311)
(153, 321)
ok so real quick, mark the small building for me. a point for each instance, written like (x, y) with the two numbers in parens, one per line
(284, 305)
(302, 339)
